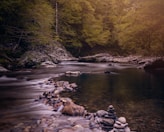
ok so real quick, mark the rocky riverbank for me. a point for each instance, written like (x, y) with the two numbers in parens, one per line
(68, 116)
(2, 69)
(147, 63)
(44, 56)
(52, 56)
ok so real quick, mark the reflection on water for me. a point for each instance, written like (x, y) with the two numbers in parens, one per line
(137, 95)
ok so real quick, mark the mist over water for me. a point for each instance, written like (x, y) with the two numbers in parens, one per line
(135, 94)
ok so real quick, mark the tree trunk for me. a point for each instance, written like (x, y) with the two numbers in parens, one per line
(56, 18)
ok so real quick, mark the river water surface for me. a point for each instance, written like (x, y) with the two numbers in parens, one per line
(135, 94)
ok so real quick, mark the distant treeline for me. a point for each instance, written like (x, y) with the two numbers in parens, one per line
(119, 26)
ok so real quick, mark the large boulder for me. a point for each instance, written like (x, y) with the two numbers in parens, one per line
(33, 58)
(70, 108)
(50, 54)
(154, 64)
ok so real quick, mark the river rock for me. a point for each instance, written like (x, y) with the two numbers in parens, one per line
(48, 64)
(27, 129)
(151, 63)
(121, 125)
(101, 113)
(72, 73)
(2, 69)
(70, 108)
(52, 52)
(61, 83)
(108, 121)
(105, 123)
(58, 91)
(154, 64)
(73, 85)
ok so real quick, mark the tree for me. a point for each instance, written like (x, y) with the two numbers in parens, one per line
(93, 30)
(126, 25)
(38, 20)
(79, 25)
(26, 22)
(150, 19)
(9, 24)
(138, 25)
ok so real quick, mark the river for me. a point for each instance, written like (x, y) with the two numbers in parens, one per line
(135, 94)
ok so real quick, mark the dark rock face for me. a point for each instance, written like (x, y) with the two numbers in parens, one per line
(52, 55)
(154, 64)
(146, 63)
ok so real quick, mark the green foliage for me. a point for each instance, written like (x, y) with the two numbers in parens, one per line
(70, 20)
(138, 25)
(80, 25)
(38, 19)
(25, 22)
(132, 26)
(93, 31)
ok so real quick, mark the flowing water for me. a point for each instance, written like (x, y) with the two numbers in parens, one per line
(135, 94)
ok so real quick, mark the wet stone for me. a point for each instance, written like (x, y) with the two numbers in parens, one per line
(27, 129)
(121, 125)
(19, 125)
(73, 85)
(101, 113)
(72, 73)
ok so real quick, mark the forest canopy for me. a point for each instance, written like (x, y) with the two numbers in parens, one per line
(114, 26)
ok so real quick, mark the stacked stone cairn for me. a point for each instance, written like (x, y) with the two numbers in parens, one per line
(104, 119)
